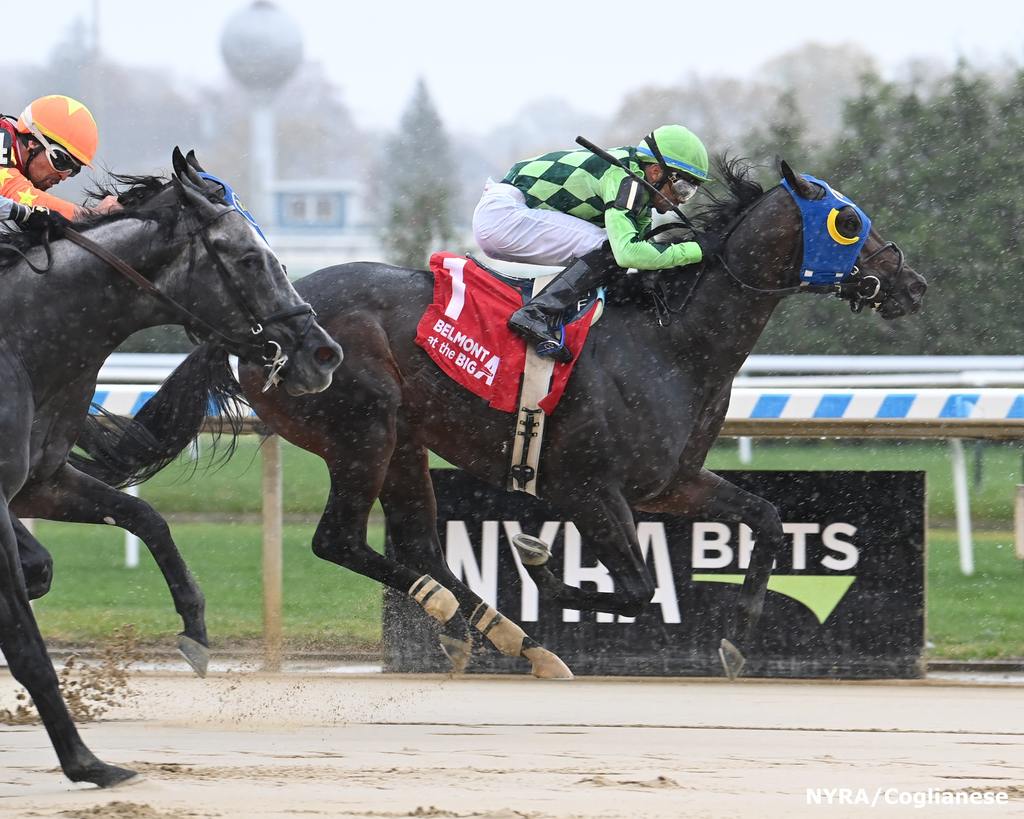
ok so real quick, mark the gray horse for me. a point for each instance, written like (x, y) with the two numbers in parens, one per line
(64, 310)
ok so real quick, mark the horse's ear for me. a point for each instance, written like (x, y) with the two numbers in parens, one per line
(800, 185)
(190, 158)
(183, 170)
(178, 161)
(190, 191)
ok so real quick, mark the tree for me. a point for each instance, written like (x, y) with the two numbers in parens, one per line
(416, 175)
(784, 136)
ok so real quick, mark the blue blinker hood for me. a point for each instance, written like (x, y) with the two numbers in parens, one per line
(231, 198)
(829, 257)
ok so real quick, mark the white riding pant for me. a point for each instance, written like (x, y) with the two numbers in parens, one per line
(507, 230)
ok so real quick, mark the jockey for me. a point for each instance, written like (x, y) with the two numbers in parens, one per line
(575, 209)
(50, 142)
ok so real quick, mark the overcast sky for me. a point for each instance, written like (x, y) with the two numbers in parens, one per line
(483, 60)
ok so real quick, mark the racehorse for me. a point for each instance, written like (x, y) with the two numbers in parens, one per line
(177, 254)
(643, 407)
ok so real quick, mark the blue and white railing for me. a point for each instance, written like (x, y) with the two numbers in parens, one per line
(984, 412)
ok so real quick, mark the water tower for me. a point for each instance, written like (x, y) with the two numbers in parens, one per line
(262, 47)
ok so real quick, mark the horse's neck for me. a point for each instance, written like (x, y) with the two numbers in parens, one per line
(719, 326)
(64, 323)
(724, 319)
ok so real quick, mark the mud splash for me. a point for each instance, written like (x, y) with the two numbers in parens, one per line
(90, 690)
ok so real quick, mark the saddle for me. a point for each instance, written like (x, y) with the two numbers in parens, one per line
(525, 285)
(464, 332)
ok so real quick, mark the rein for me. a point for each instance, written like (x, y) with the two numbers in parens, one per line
(257, 348)
(859, 290)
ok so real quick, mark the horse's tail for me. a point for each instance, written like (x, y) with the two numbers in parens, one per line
(122, 452)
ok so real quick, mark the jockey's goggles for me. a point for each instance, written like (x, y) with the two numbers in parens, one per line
(59, 158)
(683, 187)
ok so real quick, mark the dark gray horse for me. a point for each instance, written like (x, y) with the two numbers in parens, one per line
(643, 407)
(212, 273)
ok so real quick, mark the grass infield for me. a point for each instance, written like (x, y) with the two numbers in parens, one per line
(326, 607)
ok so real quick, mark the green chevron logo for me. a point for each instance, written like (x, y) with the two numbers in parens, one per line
(820, 593)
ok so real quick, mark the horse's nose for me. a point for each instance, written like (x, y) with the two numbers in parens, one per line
(328, 357)
(917, 288)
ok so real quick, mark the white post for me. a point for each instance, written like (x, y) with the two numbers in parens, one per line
(30, 524)
(1018, 523)
(746, 449)
(963, 505)
(262, 161)
(131, 543)
(273, 509)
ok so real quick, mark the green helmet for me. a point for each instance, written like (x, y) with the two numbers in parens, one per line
(680, 148)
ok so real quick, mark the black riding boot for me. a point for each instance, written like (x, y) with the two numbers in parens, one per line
(540, 319)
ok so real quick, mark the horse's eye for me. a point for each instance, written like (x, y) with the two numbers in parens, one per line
(848, 222)
(844, 225)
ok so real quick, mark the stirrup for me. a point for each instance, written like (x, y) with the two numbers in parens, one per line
(549, 348)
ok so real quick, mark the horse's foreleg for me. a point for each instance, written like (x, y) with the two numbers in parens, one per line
(23, 646)
(605, 522)
(408, 500)
(36, 562)
(74, 497)
(707, 495)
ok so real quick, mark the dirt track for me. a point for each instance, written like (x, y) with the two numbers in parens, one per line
(342, 746)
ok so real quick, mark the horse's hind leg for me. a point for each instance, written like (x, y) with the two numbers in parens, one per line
(74, 497)
(36, 562)
(707, 495)
(23, 646)
(411, 511)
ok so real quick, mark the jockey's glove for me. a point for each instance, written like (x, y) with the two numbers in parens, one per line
(711, 245)
(38, 219)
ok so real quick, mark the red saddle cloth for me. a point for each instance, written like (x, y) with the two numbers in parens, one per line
(464, 331)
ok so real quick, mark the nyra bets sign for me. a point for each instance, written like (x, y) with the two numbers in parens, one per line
(846, 597)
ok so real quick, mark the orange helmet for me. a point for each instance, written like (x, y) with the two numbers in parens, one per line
(62, 120)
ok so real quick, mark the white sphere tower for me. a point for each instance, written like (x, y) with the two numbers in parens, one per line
(262, 47)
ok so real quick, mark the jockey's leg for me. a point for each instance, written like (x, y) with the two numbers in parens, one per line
(507, 230)
(541, 319)
(411, 510)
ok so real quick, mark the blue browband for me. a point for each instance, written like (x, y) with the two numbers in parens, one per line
(829, 256)
(231, 198)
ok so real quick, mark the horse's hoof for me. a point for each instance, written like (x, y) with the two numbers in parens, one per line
(546, 665)
(128, 781)
(195, 653)
(732, 659)
(532, 550)
(104, 776)
(458, 651)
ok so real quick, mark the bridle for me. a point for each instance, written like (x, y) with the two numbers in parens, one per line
(856, 287)
(257, 348)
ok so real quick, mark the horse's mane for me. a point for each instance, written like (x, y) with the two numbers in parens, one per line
(135, 192)
(740, 193)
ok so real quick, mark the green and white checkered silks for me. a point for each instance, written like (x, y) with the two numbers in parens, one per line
(578, 183)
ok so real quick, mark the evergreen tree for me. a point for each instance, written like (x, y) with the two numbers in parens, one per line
(418, 178)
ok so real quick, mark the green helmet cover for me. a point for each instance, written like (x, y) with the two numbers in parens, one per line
(681, 149)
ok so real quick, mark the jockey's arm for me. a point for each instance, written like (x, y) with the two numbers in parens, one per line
(626, 218)
(17, 188)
